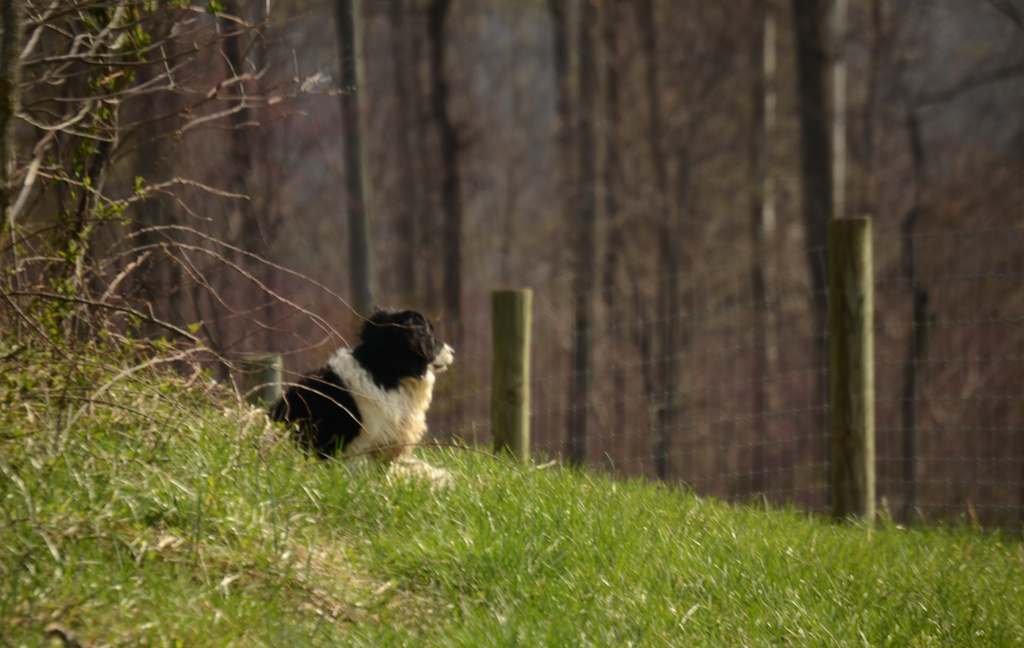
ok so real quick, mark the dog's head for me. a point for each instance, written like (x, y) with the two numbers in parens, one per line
(401, 344)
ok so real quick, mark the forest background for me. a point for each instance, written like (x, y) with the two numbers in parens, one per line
(251, 175)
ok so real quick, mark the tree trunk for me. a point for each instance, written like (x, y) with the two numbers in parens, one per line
(248, 144)
(671, 346)
(159, 282)
(865, 200)
(815, 167)
(614, 246)
(408, 195)
(584, 220)
(669, 250)
(565, 136)
(762, 229)
(241, 154)
(655, 126)
(815, 161)
(347, 14)
(451, 192)
(422, 163)
(839, 20)
(917, 343)
(814, 143)
(10, 73)
(563, 95)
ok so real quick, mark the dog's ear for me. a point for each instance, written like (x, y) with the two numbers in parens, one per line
(429, 345)
(415, 318)
(418, 333)
(378, 318)
(380, 315)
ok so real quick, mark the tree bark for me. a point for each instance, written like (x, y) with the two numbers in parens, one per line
(406, 224)
(10, 73)
(815, 152)
(242, 224)
(348, 18)
(762, 229)
(565, 136)
(246, 223)
(563, 94)
(917, 343)
(865, 200)
(451, 189)
(614, 246)
(159, 280)
(669, 248)
(655, 127)
(816, 189)
(584, 221)
(838, 152)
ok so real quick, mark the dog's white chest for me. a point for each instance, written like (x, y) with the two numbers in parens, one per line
(393, 420)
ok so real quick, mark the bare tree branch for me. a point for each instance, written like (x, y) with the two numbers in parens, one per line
(973, 81)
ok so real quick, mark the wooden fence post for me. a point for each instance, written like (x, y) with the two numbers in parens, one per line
(261, 379)
(510, 377)
(851, 310)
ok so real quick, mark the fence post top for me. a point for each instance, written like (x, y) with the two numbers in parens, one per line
(863, 219)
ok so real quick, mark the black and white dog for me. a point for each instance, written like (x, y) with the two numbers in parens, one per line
(371, 400)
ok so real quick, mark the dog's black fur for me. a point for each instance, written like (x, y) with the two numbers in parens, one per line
(320, 412)
(397, 350)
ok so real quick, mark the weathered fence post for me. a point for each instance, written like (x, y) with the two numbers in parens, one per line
(851, 310)
(261, 379)
(510, 376)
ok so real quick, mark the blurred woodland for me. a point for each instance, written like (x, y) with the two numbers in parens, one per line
(252, 175)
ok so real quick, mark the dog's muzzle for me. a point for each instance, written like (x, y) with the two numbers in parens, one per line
(443, 360)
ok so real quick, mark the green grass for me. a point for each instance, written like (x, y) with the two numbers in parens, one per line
(163, 517)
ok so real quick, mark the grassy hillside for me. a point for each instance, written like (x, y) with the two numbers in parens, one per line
(142, 509)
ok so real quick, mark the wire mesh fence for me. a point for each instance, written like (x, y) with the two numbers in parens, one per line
(951, 377)
(709, 381)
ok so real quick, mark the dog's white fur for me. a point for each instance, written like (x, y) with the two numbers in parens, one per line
(394, 421)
